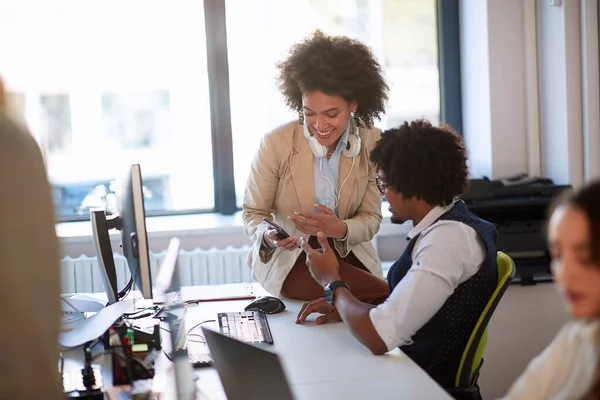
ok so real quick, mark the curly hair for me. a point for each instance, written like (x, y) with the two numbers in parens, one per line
(423, 161)
(335, 65)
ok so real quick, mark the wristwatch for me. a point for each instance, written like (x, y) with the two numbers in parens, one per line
(331, 288)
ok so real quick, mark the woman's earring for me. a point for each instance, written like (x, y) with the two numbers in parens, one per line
(300, 117)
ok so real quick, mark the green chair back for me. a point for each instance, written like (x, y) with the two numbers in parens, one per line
(472, 356)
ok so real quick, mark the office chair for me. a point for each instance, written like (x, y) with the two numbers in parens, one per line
(465, 386)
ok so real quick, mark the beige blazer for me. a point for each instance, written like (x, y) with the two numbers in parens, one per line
(281, 182)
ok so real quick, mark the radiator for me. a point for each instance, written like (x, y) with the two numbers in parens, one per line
(196, 267)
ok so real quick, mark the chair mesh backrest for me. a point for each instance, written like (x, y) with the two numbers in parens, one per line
(471, 357)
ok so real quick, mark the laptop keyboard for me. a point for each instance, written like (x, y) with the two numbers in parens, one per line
(246, 326)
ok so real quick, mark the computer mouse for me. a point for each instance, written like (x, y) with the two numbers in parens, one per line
(266, 304)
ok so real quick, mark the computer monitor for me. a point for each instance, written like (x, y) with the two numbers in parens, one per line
(106, 262)
(131, 221)
(134, 238)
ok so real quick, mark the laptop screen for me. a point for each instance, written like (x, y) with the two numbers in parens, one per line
(246, 371)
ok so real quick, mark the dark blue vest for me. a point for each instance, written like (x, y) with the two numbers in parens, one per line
(438, 346)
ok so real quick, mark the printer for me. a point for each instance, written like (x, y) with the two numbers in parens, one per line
(519, 207)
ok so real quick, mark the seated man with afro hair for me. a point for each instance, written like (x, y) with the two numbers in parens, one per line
(445, 277)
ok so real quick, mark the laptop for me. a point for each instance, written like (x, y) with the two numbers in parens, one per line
(247, 372)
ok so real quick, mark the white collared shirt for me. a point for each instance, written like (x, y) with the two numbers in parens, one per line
(446, 254)
(565, 369)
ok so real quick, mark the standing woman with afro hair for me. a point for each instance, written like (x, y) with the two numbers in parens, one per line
(314, 174)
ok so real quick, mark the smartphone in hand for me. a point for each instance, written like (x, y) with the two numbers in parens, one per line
(281, 233)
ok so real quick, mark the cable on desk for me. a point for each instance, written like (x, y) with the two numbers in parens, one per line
(125, 291)
(199, 340)
(189, 333)
(198, 324)
(138, 315)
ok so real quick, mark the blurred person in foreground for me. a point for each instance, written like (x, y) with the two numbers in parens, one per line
(29, 267)
(569, 368)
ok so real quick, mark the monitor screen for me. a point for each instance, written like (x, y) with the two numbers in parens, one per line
(134, 239)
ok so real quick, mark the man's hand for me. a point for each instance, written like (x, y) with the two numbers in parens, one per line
(320, 306)
(322, 263)
(311, 223)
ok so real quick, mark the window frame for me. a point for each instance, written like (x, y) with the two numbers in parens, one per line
(448, 35)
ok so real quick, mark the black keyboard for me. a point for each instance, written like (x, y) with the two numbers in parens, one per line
(246, 326)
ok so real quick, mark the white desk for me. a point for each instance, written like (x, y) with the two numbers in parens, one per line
(324, 362)
(320, 362)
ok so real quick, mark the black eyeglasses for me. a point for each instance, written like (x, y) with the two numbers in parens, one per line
(381, 185)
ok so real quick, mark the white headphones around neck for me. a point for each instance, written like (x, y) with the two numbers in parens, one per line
(320, 151)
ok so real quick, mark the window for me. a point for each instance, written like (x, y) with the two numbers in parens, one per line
(110, 83)
(104, 84)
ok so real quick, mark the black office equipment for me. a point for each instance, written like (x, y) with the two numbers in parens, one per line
(246, 326)
(518, 207)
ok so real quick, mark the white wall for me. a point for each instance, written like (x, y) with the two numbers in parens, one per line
(493, 86)
(559, 61)
(525, 321)
(530, 88)
(591, 89)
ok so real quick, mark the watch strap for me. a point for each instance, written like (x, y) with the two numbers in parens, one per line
(331, 288)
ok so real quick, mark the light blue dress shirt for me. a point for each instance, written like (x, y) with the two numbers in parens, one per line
(327, 175)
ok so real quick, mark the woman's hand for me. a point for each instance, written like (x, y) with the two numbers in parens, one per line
(327, 222)
(271, 238)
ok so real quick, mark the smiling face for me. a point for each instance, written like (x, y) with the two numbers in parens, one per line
(326, 116)
(577, 275)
